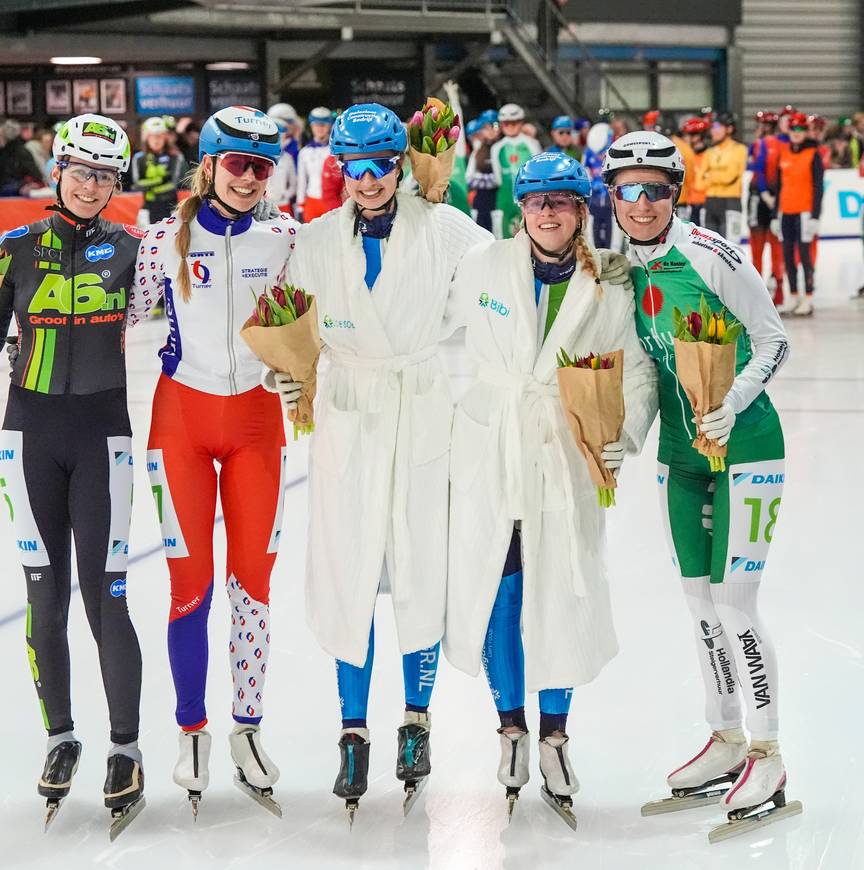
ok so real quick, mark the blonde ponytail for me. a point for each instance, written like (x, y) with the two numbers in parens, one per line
(199, 184)
(583, 254)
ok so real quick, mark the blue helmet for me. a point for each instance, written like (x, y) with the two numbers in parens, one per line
(240, 128)
(320, 115)
(367, 128)
(551, 171)
(581, 124)
(472, 127)
(562, 122)
(490, 116)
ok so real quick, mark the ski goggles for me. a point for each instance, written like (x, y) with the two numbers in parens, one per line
(82, 174)
(653, 190)
(236, 162)
(378, 166)
(534, 203)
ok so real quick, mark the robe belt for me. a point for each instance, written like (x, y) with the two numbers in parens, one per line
(522, 447)
(398, 371)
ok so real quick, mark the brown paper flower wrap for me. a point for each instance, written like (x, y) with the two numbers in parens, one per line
(432, 172)
(593, 404)
(706, 372)
(293, 348)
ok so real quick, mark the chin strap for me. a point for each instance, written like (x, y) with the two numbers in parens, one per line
(658, 239)
(561, 255)
(62, 209)
(358, 212)
(212, 195)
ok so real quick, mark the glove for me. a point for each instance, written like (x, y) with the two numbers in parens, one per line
(615, 268)
(777, 227)
(613, 456)
(265, 211)
(768, 198)
(12, 351)
(718, 424)
(809, 227)
(279, 382)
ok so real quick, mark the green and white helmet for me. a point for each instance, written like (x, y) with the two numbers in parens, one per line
(93, 138)
(643, 149)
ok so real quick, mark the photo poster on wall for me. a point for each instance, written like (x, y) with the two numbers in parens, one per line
(2, 98)
(112, 96)
(225, 91)
(85, 96)
(19, 98)
(165, 95)
(58, 97)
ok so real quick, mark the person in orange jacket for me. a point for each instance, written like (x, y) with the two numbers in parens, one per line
(691, 203)
(799, 204)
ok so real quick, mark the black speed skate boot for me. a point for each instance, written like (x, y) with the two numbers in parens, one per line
(353, 778)
(124, 791)
(414, 760)
(55, 783)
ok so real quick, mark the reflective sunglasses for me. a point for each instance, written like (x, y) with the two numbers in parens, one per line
(799, 129)
(653, 190)
(378, 166)
(534, 203)
(82, 174)
(236, 162)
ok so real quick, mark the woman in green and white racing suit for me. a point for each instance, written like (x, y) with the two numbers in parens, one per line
(719, 525)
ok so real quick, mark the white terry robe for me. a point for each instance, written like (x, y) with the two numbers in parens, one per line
(513, 458)
(379, 458)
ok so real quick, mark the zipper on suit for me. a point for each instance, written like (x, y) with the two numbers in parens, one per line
(71, 327)
(232, 359)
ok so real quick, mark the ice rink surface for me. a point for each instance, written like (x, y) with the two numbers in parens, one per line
(640, 719)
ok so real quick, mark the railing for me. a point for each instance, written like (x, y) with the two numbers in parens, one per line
(424, 7)
(541, 22)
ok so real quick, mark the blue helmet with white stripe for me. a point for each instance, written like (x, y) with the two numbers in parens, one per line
(562, 122)
(243, 129)
(551, 171)
(368, 128)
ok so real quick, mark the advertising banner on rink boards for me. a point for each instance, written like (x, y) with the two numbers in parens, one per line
(169, 95)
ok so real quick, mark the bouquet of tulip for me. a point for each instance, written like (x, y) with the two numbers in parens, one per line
(592, 396)
(433, 132)
(283, 333)
(705, 347)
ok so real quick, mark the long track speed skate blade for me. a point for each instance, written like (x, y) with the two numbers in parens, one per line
(753, 822)
(512, 797)
(351, 804)
(562, 808)
(413, 789)
(262, 796)
(688, 802)
(52, 806)
(124, 816)
(194, 800)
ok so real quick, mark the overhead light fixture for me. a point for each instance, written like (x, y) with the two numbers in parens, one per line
(75, 61)
(228, 65)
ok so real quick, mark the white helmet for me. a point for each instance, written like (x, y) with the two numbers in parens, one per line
(599, 137)
(283, 113)
(153, 126)
(643, 149)
(511, 112)
(95, 139)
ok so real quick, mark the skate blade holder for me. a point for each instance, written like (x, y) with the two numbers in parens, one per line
(690, 801)
(261, 796)
(413, 790)
(512, 797)
(124, 816)
(745, 820)
(563, 806)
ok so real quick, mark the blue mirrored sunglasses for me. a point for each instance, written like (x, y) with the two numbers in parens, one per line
(653, 190)
(378, 166)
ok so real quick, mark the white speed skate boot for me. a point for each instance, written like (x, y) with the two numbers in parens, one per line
(762, 781)
(695, 784)
(793, 301)
(192, 770)
(559, 781)
(513, 767)
(256, 773)
(805, 309)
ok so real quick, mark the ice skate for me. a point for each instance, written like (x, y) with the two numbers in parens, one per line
(256, 773)
(805, 309)
(559, 781)
(124, 792)
(513, 767)
(762, 782)
(352, 781)
(413, 761)
(793, 300)
(55, 783)
(192, 769)
(697, 783)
